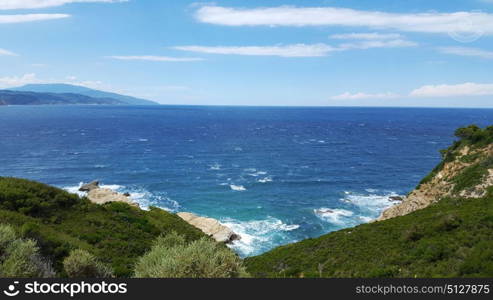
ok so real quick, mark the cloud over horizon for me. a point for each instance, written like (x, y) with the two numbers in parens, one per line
(468, 89)
(457, 90)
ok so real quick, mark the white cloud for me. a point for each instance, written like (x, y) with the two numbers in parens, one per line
(465, 51)
(4, 19)
(15, 81)
(363, 96)
(378, 44)
(297, 50)
(458, 90)
(468, 89)
(157, 58)
(4, 52)
(366, 36)
(32, 4)
(430, 22)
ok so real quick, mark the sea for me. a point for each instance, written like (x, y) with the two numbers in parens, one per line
(275, 175)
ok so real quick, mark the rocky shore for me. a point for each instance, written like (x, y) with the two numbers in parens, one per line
(99, 195)
(209, 226)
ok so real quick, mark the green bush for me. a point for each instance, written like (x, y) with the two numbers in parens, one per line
(171, 257)
(21, 258)
(7, 236)
(82, 264)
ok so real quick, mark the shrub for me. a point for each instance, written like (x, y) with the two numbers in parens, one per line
(171, 257)
(82, 264)
(7, 236)
(21, 258)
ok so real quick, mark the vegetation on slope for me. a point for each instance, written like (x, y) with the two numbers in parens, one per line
(20, 257)
(172, 257)
(450, 238)
(116, 233)
(472, 137)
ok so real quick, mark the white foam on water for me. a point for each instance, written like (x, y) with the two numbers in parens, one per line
(144, 198)
(335, 216)
(75, 190)
(372, 202)
(215, 167)
(256, 233)
(238, 188)
(265, 180)
(113, 187)
(257, 173)
(143, 140)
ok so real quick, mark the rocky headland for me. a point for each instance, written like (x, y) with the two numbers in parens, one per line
(99, 195)
(466, 171)
(209, 226)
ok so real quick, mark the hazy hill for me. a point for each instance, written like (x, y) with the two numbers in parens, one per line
(74, 89)
(8, 97)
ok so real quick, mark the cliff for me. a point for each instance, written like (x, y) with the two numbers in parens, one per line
(466, 171)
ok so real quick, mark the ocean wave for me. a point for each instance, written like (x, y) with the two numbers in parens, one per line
(373, 203)
(359, 208)
(144, 198)
(265, 180)
(257, 173)
(238, 188)
(256, 235)
(215, 167)
(335, 216)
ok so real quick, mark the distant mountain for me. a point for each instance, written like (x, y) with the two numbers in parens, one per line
(75, 89)
(8, 97)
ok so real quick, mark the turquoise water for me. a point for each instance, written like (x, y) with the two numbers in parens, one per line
(275, 175)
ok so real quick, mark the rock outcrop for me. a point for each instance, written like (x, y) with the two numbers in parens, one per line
(100, 195)
(89, 186)
(211, 227)
(443, 182)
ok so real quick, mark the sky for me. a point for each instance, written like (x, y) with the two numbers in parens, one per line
(257, 52)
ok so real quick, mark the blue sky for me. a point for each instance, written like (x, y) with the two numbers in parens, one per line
(317, 53)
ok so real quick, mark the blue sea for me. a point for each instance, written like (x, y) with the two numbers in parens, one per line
(274, 175)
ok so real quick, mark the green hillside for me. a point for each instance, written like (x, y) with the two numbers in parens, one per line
(116, 233)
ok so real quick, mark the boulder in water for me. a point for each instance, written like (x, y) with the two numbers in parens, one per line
(89, 186)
